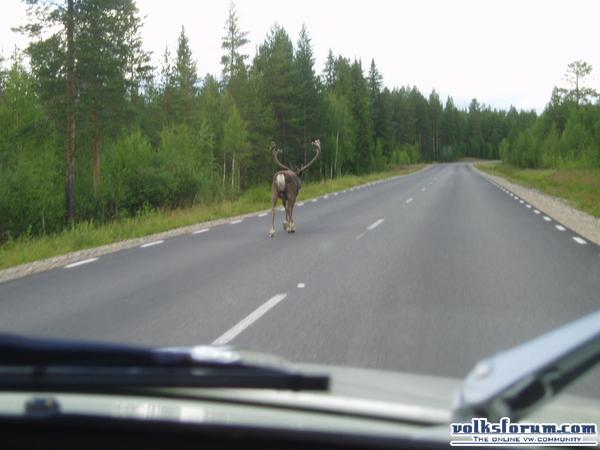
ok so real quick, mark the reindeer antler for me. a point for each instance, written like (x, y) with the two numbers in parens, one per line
(317, 145)
(274, 152)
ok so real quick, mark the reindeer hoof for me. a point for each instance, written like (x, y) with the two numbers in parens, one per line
(271, 233)
(291, 228)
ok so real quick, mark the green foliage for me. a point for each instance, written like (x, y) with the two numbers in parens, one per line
(405, 154)
(185, 158)
(134, 177)
(30, 183)
(167, 138)
(567, 135)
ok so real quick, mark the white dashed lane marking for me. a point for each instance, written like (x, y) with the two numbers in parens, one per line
(262, 214)
(375, 224)
(547, 219)
(579, 240)
(80, 263)
(249, 320)
(360, 235)
(203, 230)
(559, 227)
(152, 244)
(236, 221)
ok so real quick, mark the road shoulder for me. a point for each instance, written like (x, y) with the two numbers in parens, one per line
(582, 223)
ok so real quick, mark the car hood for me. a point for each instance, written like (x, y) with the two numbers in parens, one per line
(369, 401)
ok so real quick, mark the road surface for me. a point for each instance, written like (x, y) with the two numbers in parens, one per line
(425, 273)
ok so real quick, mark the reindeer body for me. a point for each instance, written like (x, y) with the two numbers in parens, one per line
(286, 186)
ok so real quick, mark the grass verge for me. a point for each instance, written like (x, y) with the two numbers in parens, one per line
(88, 235)
(580, 187)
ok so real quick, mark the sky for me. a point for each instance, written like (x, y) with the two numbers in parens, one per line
(508, 52)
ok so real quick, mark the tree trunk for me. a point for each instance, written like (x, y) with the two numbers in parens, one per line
(224, 168)
(96, 151)
(232, 171)
(337, 143)
(70, 154)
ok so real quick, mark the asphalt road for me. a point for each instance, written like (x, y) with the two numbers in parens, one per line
(425, 273)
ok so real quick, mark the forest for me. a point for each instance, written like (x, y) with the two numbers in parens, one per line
(91, 131)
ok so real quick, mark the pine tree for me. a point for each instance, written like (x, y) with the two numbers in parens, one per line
(577, 72)
(92, 63)
(108, 46)
(436, 111)
(184, 78)
(275, 62)
(233, 60)
(306, 96)
(328, 75)
(361, 112)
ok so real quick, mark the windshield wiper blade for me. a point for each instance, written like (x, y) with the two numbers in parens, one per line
(43, 364)
(518, 381)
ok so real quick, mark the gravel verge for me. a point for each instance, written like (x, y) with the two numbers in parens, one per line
(586, 225)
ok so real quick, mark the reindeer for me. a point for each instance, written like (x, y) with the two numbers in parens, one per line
(286, 186)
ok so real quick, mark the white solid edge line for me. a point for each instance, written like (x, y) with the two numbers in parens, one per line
(236, 221)
(151, 244)
(203, 230)
(248, 320)
(263, 214)
(375, 224)
(79, 263)
(559, 227)
(579, 240)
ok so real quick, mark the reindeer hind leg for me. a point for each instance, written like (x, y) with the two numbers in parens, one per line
(286, 220)
(292, 225)
(274, 203)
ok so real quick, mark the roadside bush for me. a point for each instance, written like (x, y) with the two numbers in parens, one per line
(186, 157)
(133, 177)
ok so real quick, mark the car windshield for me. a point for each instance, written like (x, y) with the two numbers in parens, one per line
(398, 186)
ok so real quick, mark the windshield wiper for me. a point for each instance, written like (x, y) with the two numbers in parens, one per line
(44, 364)
(518, 381)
